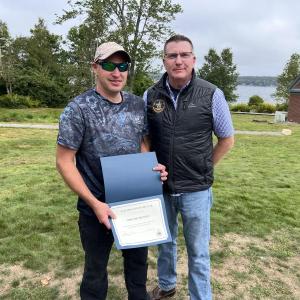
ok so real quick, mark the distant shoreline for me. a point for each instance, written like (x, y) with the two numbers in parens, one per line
(246, 91)
(257, 80)
(272, 85)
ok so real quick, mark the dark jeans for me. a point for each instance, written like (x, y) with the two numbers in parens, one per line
(97, 241)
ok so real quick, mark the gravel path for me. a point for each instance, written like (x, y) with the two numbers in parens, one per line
(49, 126)
(258, 132)
(24, 125)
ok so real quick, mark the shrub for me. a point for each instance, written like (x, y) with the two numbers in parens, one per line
(18, 101)
(241, 107)
(282, 106)
(255, 100)
(266, 108)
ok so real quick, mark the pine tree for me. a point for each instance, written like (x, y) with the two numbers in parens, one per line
(285, 79)
(221, 71)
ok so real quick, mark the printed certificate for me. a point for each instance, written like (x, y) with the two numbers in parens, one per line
(139, 222)
(134, 192)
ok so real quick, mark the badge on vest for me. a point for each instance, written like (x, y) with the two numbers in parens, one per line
(158, 105)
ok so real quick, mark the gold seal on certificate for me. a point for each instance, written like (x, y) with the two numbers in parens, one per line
(139, 223)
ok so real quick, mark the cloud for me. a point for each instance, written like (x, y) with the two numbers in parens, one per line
(21, 16)
(262, 34)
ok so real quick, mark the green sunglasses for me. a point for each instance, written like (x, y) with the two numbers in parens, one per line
(110, 66)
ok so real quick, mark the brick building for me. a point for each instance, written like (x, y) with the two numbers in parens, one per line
(294, 102)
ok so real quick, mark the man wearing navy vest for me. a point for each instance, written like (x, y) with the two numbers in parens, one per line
(183, 114)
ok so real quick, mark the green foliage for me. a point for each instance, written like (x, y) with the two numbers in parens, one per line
(4, 34)
(6, 60)
(265, 108)
(51, 92)
(141, 83)
(36, 67)
(221, 71)
(259, 108)
(255, 100)
(240, 107)
(47, 66)
(281, 106)
(18, 101)
(83, 41)
(285, 79)
(2, 86)
(140, 26)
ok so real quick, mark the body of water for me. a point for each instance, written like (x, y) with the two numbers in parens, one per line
(246, 91)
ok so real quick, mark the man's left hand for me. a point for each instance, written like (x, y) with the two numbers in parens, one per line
(163, 173)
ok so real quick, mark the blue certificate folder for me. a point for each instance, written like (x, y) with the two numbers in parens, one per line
(129, 180)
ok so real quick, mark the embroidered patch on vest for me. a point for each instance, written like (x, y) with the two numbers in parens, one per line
(158, 105)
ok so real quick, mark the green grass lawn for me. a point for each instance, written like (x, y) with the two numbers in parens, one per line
(30, 115)
(255, 220)
(51, 116)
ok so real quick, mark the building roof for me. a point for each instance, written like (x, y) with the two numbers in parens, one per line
(295, 86)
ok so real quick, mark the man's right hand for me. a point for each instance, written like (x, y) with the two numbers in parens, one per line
(103, 212)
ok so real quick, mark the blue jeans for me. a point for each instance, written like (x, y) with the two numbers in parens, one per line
(195, 212)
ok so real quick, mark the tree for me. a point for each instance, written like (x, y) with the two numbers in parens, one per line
(221, 71)
(142, 82)
(285, 79)
(82, 44)
(41, 67)
(139, 26)
(255, 100)
(6, 60)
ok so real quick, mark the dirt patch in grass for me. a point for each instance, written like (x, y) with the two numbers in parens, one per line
(10, 275)
(245, 268)
(18, 276)
(252, 270)
(70, 286)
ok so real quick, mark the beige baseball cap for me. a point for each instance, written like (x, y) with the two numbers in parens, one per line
(107, 49)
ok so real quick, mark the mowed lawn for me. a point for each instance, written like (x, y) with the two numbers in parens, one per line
(255, 219)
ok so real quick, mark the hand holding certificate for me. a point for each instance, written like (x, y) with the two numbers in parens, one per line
(135, 196)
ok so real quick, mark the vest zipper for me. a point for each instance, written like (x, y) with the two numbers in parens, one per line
(172, 143)
(171, 153)
(184, 104)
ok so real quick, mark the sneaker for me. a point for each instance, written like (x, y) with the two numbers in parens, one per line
(157, 293)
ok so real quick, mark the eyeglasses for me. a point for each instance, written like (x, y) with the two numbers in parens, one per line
(110, 66)
(183, 55)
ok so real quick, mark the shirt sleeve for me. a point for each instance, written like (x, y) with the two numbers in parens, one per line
(145, 95)
(146, 126)
(71, 127)
(222, 121)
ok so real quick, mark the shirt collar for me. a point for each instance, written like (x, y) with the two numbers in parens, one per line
(175, 97)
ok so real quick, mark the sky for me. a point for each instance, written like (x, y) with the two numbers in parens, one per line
(262, 34)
